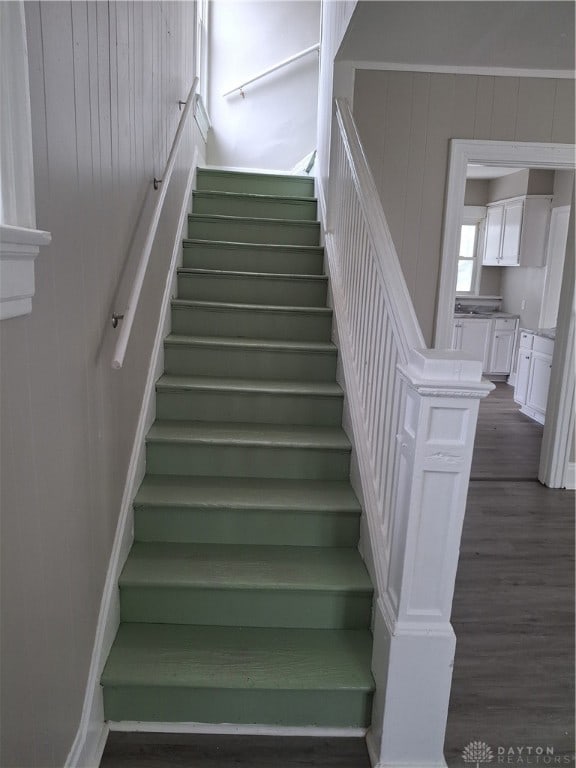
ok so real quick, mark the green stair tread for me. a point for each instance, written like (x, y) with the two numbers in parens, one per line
(246, 567)
(276, 345)
(215, 193)
(248, 493)
(241, 434)
(168, 655)
(219, 306)
(190, 242)
(276, 276)
(168, 383)
(221, 218)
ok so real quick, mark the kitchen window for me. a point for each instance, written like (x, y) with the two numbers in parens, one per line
(468, 262)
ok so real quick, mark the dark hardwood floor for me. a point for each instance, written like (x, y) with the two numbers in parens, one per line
(513, 611)
(513, 615)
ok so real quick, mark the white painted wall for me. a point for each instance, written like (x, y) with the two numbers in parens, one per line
(104, 82)
(526, 35)
(406, 120)
(274, 126)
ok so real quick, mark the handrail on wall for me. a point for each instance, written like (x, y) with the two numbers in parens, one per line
(284, 63)
(127, 316)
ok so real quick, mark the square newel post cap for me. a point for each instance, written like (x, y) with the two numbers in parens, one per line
(445, 372)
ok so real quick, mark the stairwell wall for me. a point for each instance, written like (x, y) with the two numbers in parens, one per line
(274, 126)
(406, 121)
(105, 79)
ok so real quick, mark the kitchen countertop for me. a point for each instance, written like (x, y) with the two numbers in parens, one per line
(547, 333)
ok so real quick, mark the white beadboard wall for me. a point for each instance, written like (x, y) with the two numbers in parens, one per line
(105, 79)
(406, 120)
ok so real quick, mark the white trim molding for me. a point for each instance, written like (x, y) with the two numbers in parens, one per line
(19, 247)
(451, 69)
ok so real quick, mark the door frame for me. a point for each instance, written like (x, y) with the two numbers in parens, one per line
(557, 437)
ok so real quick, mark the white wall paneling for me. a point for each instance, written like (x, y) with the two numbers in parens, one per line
(105, 79)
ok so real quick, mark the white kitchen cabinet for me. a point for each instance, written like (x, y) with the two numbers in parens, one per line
(522, 375)
(503, 338)
(533, 375)
(493, 236)
(490, 340)
(539, 382)
(501, 352)
(517, 232)
(472, 335)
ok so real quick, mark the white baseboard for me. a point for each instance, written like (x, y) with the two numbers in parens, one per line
(90, 740)
(234, 729)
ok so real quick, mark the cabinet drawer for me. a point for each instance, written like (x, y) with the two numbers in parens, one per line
(541, 344)
(504, 323)
(526, 340)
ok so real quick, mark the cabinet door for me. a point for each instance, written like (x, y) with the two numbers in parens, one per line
(522, 376)
(512, 229)
(501, 353)
(540, 369)
(493, 234)
(456, 334)
(475, 338)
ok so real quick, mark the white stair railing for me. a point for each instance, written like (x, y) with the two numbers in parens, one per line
(413, 414)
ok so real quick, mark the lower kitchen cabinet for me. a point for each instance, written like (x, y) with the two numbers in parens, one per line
(473, 335)
(533, 374)
(490, 340)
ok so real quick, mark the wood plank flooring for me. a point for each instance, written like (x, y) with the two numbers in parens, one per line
(513, 611)
(513, 617)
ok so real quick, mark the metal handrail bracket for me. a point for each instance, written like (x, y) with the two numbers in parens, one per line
(240, 88)
(127, 316)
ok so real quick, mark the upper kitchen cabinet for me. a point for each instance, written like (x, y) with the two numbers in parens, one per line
(517, 232)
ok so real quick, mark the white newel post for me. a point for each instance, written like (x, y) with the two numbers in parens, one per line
(414, 642)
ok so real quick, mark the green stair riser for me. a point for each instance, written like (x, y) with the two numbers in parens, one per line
(340, 708)
(211, 460)
(256, 363)
(190, 320)
(246, 526)
(246, 607)
(254, 183)
(253, 230)
(261, 208)
(202, 405)
(253, 257)
(280, 291)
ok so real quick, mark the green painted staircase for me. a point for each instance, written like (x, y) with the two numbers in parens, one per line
(244, 598)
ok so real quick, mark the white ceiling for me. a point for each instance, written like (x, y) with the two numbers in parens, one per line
(521, 35)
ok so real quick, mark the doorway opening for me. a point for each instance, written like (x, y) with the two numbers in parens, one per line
(498, 170)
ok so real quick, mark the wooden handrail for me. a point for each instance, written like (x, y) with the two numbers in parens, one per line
(127, 316)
